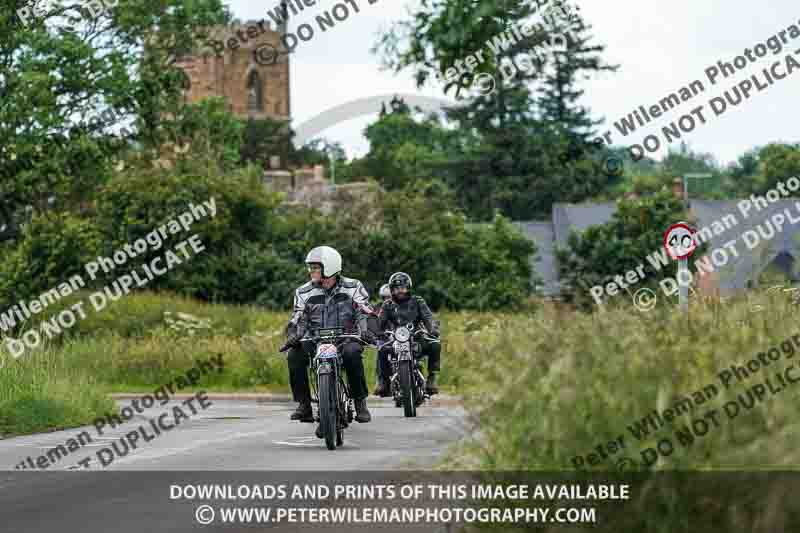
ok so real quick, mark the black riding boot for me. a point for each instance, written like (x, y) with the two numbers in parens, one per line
(382, 390)
(430, 385)
(362, 413)
(303, 413)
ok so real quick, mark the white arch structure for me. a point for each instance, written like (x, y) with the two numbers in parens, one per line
(363, 106)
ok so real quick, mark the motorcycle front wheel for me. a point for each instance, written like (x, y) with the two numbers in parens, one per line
(327, 409)
(407, 387)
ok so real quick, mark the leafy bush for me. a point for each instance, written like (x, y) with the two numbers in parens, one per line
(254, 249)
(238, 264)
(453, 264)
(52, 249)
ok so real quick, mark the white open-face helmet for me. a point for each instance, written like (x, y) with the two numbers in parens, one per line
(385, 292)
(328, 257)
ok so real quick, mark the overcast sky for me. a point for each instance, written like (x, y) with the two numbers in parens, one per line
(660, 47)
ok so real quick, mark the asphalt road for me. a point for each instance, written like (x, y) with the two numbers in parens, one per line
(247, 435)
(229, 443)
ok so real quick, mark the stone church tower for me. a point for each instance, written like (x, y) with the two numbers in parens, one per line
(251, 71)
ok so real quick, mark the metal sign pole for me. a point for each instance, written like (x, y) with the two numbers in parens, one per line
(683, 287)
(679, 251)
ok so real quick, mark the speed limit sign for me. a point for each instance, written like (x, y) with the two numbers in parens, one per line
(679, 241)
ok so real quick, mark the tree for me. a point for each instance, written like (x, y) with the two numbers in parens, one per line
(264, 138)
(507, 157)
(559, 95)
(63, 90)
(760, 169)
(319, 152)
(454, 264)
(210, 133)
(746, 165)
(780, 162)
(404, 148)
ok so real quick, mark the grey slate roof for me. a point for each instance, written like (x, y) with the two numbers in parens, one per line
(750, 263)
(578, 217)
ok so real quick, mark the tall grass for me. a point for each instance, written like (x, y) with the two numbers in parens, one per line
(43, 391)
(544, 388)
(137, 344)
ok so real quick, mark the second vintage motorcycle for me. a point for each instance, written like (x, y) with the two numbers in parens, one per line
(407, 382)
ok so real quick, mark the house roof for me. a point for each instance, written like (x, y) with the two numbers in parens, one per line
(544, 264)
(734, 275)
(578, 217)
(750, 263)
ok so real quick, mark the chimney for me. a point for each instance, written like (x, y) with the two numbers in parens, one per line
(319, 172)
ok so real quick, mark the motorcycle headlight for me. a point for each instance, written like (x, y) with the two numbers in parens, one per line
(402, 335)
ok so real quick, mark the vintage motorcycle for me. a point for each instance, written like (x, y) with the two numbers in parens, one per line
(329, 391)
(407, 382)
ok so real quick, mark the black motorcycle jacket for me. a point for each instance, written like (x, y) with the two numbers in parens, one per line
(345, 305)
(413, 310)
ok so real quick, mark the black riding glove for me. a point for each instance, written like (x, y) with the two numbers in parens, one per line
(369, 337)
(290, 343)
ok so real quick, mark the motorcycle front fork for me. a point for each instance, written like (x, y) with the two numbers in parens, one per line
(349, 406)
(394, 381)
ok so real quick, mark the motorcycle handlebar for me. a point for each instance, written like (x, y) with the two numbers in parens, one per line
(335, 338)
(428, 337)
(287, 347)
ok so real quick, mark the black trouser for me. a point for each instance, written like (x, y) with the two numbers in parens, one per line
(382, 369)
(433, 350)
(378, 367)
(300, 357)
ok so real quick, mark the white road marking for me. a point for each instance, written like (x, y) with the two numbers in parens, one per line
(298, 443)
(157, 454)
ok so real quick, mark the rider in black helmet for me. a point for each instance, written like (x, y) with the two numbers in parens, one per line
(401, 309)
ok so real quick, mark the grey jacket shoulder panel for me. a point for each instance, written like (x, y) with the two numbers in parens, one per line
(347, 305)
(309, 286)
(349, 283)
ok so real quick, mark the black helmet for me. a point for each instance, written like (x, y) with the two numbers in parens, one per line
(400, 279)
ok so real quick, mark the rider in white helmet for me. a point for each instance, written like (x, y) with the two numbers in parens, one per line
(329, 300)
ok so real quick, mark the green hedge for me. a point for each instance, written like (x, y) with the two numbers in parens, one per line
(254, 249)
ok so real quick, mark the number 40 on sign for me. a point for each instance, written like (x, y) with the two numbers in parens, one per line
(679, 241)
(680, 244)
